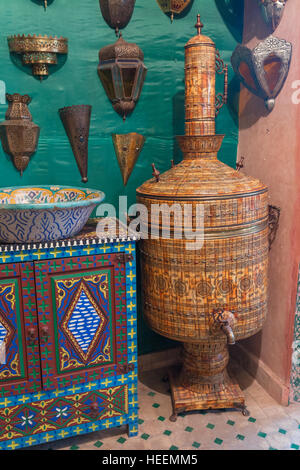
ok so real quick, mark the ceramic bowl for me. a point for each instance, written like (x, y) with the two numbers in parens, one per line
(44, 213)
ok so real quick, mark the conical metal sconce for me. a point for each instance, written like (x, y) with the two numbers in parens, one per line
(272, 11)
(264, 69)
(76, 121)
(117, 13)
(128, 148)
(19, 135)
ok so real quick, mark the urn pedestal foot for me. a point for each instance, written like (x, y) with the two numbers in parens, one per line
(202, 382)
(212, 396)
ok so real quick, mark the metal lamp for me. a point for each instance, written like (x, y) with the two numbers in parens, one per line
(272, 11)
(264, 69)
(122, 73)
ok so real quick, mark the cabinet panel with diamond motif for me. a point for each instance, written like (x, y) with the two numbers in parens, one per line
(19, 348)
(82, 318)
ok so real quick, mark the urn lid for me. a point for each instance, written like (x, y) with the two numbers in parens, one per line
(199, 39)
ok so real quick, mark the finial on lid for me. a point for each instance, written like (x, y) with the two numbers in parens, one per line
(198, 25)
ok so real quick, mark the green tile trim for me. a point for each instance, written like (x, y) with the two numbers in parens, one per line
(145, 436)
(121, 440)
(218, 441)
(282, 431)
(173, 448)
(231, 423)
(189, 429)
(240, 437)
(251, 420)
(156, 405)
(98, 444)
(167, 432)
(262, 434)
(161, 418)
(196, 445)
(210, 426)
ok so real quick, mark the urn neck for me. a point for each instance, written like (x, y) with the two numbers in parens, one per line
(205, 146)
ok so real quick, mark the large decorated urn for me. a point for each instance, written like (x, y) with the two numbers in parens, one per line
(215, 293)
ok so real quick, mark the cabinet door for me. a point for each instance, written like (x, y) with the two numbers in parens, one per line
(19, 348)
(82, 318)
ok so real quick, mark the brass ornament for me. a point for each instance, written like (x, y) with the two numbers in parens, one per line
(117, 13)
(128, 148)
(122, 72)
(272, 11)
(173, 7)
(264, 69)
(76, 120)
(38, 51)
(18, 134)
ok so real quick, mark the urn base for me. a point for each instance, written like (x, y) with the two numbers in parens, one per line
(207, 397)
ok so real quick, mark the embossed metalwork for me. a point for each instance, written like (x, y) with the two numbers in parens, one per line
(128, 148)
(19, 135)
(122, 72)
(272, 11)
(173, 7)
(221, 68)
(117, 13)
(76, 120)
(38, 51)
(264, 69)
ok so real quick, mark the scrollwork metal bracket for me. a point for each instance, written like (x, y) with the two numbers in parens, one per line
(221, 68)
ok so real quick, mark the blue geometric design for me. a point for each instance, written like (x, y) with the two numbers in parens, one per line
(3, 333)
(84, 322)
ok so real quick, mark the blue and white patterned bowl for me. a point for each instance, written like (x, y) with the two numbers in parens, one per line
(44, 213)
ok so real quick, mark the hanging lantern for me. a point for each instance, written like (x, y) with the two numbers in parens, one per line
(122, 73)
(19, 135)
(173, 7)
(264, 69)
(272, 11)
(117, 13)
(38, 51)
(127, 148)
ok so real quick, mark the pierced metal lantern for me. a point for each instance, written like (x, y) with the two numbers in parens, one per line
(122, 73)
(264, 69)
(117, 13)
(272, 11)
(173, 7)
(18, 134)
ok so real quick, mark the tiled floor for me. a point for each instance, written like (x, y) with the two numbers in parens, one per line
(269, 426)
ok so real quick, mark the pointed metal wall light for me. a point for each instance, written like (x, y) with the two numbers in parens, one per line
(76, 120)
(117, 13)
(173, 7)
(264, 69)
(128, 148)
(272, 11)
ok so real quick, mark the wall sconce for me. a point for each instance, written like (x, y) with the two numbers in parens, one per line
(127, 148)
(117, 13)
(264, 69)
(173, 7)
(18, 134)
(272, 11)
(76, 120)
(38, 51)
(122, 72)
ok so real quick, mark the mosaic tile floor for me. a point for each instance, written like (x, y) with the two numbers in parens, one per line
(269, 426)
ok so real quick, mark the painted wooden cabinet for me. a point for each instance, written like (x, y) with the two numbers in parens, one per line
(68, 339)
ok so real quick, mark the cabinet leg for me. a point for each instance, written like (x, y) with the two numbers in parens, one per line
(132, 429)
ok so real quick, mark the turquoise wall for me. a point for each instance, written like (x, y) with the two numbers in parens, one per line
(159, 114)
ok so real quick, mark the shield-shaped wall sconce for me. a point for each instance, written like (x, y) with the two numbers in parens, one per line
(264, 69)
(173, 7)
(76, 120)
(127, 148)
(272, 11)
(117, 13)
